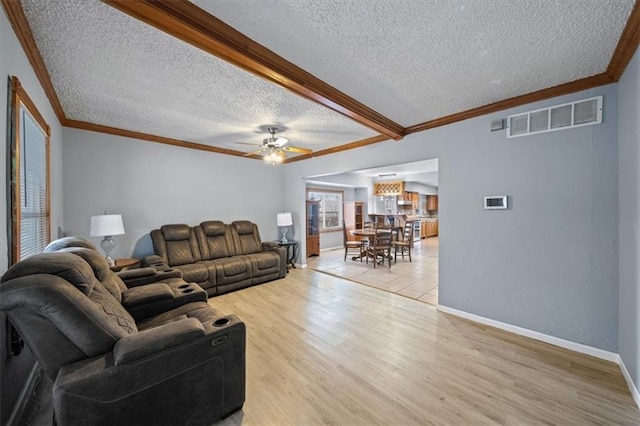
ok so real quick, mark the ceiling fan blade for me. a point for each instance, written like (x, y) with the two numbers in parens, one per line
(257, 151)
(296, 149)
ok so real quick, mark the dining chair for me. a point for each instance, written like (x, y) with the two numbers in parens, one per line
(380, 245)
(406, 243)
(350, 245)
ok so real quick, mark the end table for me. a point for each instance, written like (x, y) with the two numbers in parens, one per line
(292, 251)
(125, 263)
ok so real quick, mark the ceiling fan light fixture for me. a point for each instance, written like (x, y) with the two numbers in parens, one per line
(274, 156)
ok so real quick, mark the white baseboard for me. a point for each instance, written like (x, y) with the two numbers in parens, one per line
(567, 344)
(632, 386)
(552, 340)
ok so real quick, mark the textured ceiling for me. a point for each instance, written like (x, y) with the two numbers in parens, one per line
(417, 60)
(111, 69)
(411, 61)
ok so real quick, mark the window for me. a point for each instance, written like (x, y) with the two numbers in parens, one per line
(330, 208)
(29, 169)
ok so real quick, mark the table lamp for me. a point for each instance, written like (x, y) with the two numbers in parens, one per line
(106, 226)
(284, 220)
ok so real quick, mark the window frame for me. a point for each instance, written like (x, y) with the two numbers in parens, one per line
(338, 227)
(21, 100)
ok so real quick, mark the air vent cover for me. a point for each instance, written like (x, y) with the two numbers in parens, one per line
(566, 116)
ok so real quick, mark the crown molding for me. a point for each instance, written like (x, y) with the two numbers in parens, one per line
(83, 125)
(340, 148)
(551, 92)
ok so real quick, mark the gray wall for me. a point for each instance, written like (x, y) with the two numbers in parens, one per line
(629, 195)
(550, 262)
(153, 184)
(14, 370)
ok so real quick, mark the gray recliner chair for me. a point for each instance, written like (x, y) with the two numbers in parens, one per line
(182, 365)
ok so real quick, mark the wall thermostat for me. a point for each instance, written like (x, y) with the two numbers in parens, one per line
(495, 202)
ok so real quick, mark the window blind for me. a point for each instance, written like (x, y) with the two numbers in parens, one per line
(34, 208)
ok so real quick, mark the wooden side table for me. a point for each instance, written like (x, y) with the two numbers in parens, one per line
(125, 263)
(292, 251)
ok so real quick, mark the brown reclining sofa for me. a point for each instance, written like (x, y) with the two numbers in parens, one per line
(219, 257)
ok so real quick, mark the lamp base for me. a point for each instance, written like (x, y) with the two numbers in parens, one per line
(108, 244)
(283, 230)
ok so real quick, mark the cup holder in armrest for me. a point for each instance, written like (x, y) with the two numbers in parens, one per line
(183, 286)
(187, 290)
(221, 322)
(167, 270)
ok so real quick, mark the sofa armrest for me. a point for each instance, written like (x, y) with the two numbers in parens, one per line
(128, 274)
(154, 261)
(282, 251)
(147, 342)
(149, 275)
(143, 295)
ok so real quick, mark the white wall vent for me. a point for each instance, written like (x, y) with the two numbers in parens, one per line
(566, 116)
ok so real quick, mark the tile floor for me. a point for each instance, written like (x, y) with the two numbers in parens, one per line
(417, 279)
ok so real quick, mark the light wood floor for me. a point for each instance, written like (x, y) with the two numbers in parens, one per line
(417, 279)
(324, 350)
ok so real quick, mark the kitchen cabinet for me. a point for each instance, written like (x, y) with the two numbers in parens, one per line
(432, 202)
(353, 215)
(313, 228)
(429, 229)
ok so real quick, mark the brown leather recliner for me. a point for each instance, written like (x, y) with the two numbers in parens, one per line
(183, 365)
(219, 257)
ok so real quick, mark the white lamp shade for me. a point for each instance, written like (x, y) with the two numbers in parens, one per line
(284, 219)
(106, 224)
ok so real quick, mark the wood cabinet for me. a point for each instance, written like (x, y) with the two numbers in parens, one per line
(428, 229)
(353, 216)
(313, 228)
(432, 202)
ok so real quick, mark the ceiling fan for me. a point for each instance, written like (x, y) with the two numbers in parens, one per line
(274, 149)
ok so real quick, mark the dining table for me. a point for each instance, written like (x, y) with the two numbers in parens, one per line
(365, 232)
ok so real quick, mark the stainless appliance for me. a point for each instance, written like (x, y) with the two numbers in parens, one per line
(416, 230)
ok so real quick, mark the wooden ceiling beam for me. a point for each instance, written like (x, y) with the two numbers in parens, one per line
(186, 21)
(627, 45)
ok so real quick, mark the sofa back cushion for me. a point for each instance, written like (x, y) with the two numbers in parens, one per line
(176, 244)
(247, 238)
(214, 240)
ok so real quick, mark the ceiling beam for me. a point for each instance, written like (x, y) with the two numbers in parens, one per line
(186, 21)
(627, 45)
